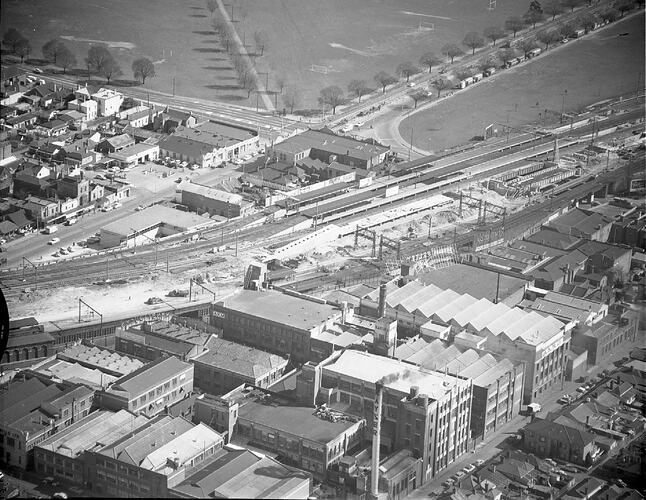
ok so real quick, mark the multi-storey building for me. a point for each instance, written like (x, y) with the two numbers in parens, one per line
(550, 439)
(149, 460)
(310, 439)
(108, 101)
(425, 411)
(273, 321)
(62, 456)
(31, 411)
(151, 388)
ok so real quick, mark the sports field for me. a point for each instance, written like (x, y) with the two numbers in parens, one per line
(353, 39)
(597, 67)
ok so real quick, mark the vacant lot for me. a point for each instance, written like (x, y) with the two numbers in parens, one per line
(599, 66)
(353, 39)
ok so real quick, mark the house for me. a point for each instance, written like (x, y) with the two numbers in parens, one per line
(41, 209)
(582, 224)
(108, 101)
(74, 187)
(550, 439)
(115, 143)
(21, 122)
(188, 150)
(25, 184)
(95, 192)
(87, 108)
(52, 128)
(169, 119)
(215, 202)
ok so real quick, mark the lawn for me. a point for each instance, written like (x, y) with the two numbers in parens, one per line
(353, 39)
(597, 67)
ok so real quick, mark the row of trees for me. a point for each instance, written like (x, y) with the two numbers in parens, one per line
(99, 60)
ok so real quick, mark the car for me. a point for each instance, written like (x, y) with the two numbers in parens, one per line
(71, 221)
(38, 70)
(59, 494)
(1, 476)
(153, 300)
(411, 84)
(569, 468)
(139, 208)
(53, 241)
(458, 474)
(480, 462)
(116, 205)
(57, 255)
(550, 461)
(448, 483)
(101, 177)
(468, 469)
(62, 251)
(581, 388)
(178, 293)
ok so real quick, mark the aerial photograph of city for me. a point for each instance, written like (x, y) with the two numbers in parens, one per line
(323, 249)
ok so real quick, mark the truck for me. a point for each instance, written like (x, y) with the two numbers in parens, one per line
(50, 229)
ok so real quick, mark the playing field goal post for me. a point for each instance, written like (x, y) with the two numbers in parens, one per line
(319, 69)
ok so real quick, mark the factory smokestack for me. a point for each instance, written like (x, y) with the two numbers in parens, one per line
(556, 150)
(381, 309)
(376, 439)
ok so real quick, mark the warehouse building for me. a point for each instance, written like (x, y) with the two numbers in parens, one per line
(136, 153)
(203, 199)
(273, 321)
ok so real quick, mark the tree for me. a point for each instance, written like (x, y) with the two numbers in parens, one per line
(280, 81)
(464, 73)
(358, 88)
(418, 95)
(11, 37)
(51, 50)
(22, 48)
(407, 69)
(494, 33)
(211, 5)
(65, 58)
(474, 41)
(527, 45)
(442, 84)
(624, 6)
(587, 21)
(429, 59)
(553, 8)
(532, 17)
(143, 68)
(490, 61)
(384, 79)
(260, 39)
(609, 15)
(452, 51)
(506, 55)
(567, 30)
(110, 69)
(514, 24)
(291, 98)
(546, 37)
(571, 4)
(536, 6)
(331, 96)
(97, 56)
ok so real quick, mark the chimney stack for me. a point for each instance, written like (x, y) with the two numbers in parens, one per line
(376, 439)
(556, 150)
(381, 310)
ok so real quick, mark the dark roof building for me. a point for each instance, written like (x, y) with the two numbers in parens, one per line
(550, 439)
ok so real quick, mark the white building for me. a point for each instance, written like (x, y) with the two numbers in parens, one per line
(108, 101)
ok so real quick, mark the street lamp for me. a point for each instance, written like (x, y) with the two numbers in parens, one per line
(563, 103)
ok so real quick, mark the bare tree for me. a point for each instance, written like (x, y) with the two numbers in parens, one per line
(609, 15)
(110, 69)
(143, 68)
(533, 16)
(260, 39)
(331, 96)
(624, 6)
(514, 24)
(527, 45)
(51, 50)
(11, 37)
(452, 51)
(291, 98)
(96, 58)
(22, 48)
(429, 59)
(211, 5)
(494, 33)
(358, 88)
(490, 61)
(567, 30)
(464, 73)
(587, 21)
(506, 55)
(418, 95)
(280, 81)
(553, 8)
(407, 69)
(384, 79)
(65, 58)
(474, 41)
(546, 37)
(571, 4)
(442, 84)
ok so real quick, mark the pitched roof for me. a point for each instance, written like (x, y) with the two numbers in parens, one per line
(574, 437)
(149, 375)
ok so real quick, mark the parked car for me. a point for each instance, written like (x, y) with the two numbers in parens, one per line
(38, 70)
(53, 241)
(458, 475)
(139, 208)
(480, 462)
(71, 221)
(153, 300)
(468, 469)
(178, 293)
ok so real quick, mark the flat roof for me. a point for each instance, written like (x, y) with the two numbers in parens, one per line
(150, 375)
(281, 308)
(152, 216)
(332, 143)
(134, 149)
(211, 193)
(216, 134)
(371, 368)
(298, 421)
